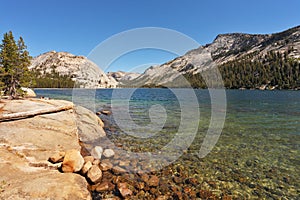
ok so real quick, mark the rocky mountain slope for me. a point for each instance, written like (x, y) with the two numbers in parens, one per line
(225, 48)
(256, 53)
(120, 76)
(85, 73)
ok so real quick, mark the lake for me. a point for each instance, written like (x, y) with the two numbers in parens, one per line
(257, 155)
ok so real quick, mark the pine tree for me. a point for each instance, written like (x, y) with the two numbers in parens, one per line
(14, 62)
(2, 85)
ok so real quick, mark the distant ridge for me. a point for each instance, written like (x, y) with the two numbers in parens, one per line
(253, 61)
(255, 52)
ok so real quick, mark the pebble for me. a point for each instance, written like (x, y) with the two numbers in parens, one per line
(205, 194)
(86, 167)
(145, 177)
(108, 153)
(94, 174)
(96, 162)
(226, 197)
(105, 112)
(140, 185)
(164, 188)
(153, 191)
(105, 165)
(153, 181)
(162, 197)
(88, 158)
(118, 170)
(124, 163)
(97, 152)
(249, 163)
(105, 186)
(192, 181)
(124, 190)
(177, 179)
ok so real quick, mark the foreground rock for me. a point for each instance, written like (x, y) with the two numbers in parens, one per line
(90, 126)
(73, 161)
(27, 144)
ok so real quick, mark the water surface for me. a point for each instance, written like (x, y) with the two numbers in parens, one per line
(257, 155)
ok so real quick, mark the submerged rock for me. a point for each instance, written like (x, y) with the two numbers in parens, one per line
(118, 170)
(105, 112)
(97, 152)
(153, 181)
(106, 165)
(105, 186)
(108, 153)
(124, 190)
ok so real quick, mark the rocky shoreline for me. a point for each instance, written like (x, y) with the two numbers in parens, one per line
(27, 143)
(53, 156)
(72, 154)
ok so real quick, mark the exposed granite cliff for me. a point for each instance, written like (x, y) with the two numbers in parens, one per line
(83, 71)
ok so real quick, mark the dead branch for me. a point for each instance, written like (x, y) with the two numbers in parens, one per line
(20, 115)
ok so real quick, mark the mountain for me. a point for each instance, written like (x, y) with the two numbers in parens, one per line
(54, 68)
(120, 76)
(244, 60)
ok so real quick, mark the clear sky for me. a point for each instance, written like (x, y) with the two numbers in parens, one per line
(77, 26)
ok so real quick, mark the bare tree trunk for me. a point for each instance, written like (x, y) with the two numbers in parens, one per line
(14, 90)
(19, 115)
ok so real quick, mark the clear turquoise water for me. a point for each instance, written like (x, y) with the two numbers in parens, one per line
(256, 157)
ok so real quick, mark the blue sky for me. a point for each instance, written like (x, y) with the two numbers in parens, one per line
(79, 26)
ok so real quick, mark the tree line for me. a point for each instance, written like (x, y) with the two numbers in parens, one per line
(272, 70)
(52, 80)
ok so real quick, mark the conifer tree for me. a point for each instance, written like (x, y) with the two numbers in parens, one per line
(14, 62)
